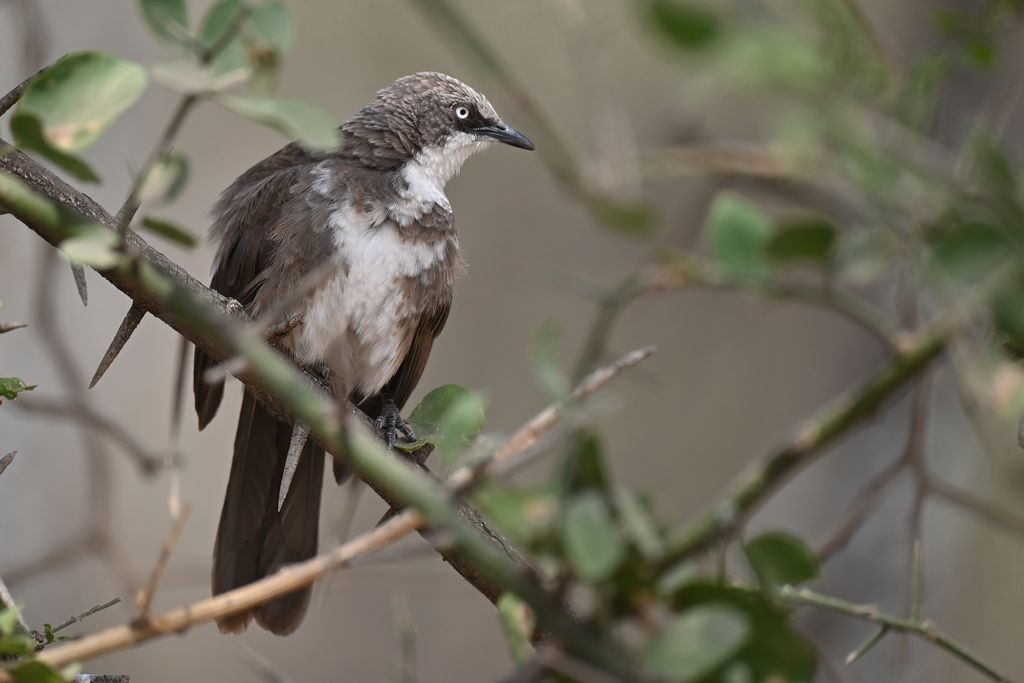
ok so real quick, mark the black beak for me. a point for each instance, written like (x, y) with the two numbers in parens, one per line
(506, 134)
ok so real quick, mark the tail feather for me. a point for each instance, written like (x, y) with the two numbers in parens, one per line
(254, 539)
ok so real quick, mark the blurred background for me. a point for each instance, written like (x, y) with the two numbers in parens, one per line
(733, 375)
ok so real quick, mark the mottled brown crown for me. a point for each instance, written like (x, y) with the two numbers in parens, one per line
(414, 112)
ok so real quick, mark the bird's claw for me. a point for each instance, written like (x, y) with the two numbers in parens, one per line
(390, 424)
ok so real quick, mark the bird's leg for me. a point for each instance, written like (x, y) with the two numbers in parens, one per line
(391, 423)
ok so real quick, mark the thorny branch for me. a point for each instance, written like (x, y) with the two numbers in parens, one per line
(305, 573)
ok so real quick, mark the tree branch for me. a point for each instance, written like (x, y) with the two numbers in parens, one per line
(753, 486)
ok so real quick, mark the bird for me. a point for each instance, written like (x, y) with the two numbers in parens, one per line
(359, 245)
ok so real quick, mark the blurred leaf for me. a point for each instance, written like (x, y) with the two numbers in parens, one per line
(774, 650)
(94, 246)
(738, 234)
(1008, 313)
(68, 106)
(170, 232)
(685, 24)
(697, 642)
(584, 466)
(34, 671)
(9, 616)
(17, 645)
(28, 134)
(517, 622)
(219, 19)
(312, 127)
(184, 75)
(630, 219)
(553, 379)
(774, 57)
(781, 559)
(167, 19)
(523, 514)
(10, 387)
(591, 538)
(677, 577)
(165, 180)
(967, 251)
(807, 239)
(638, 524)
(272, 24)
(450, 417)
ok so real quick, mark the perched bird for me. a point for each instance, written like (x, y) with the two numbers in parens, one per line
(361, 243)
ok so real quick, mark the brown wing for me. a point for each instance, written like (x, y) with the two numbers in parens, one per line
(247, 220)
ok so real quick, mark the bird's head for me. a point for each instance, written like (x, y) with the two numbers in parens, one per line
(427, 118)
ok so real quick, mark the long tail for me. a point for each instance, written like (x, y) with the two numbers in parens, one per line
(254, 539)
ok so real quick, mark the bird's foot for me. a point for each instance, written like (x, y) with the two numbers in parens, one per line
(391, 424)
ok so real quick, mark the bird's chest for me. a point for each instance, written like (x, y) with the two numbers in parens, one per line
(361, 320)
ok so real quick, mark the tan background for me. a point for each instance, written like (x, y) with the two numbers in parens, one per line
(732, 376)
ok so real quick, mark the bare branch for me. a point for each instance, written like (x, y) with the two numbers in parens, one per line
(145, 597)
(84, 414)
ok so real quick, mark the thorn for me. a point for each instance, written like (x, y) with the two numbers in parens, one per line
(131, 320)
(299, 435)
(11, 327)
(7, 460)
(78, 270)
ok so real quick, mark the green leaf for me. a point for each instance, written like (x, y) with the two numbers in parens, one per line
(774, 650)
(165, 180)
(968, 251)
(170, 232)
(807, 239)
(523, 514)
(28, 133)
(17, 645)
(781, 559)
(1008, 313)
(517, 622)
(9, 616)
(584, 466)
(167, 19)
(94, 246)
(638, 524)
(313, 128)
(738, 234)
(10, 387)
(591, 538)
(272, 25)
(450, 417)
(553, 379)
(220, 18)
(630, 219)
(34, 671)
(697, 642)
(68, 106)
(685, 24)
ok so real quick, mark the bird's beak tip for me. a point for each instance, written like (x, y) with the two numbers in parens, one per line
(508, 135)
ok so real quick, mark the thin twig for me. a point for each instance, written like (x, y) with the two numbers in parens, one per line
(861, 508)
(968, 502)
(12, 97)
(84, 615)
(754, 485)
(923, 629)
(145, 597)
(85, 415)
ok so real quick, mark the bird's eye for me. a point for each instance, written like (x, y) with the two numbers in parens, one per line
(462, 112)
